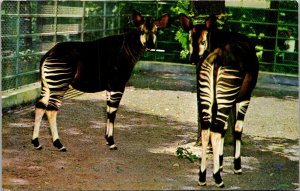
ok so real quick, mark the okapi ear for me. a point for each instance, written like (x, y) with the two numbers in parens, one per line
(185, 22)
(137, 19)
(163, 22)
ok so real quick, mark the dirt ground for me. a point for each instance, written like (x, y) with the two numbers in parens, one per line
(157, 115)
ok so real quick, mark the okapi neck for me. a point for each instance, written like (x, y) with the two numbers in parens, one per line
(133, 46)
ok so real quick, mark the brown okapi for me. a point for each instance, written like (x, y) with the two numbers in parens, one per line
(227, 69)
(104, 64)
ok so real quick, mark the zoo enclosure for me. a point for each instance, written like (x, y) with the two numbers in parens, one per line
(30, 28)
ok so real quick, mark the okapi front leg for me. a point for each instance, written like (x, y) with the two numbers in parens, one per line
(241, 112)
(113, 101)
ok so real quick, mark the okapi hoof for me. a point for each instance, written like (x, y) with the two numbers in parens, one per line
(218, 180)
(202, 178)
(113, 147)
(237, 166)
(110, 142)
(58, 145)
(36, 144)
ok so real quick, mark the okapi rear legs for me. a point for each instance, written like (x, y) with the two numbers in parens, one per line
(216, 144)
(113, 101)
(52, 116)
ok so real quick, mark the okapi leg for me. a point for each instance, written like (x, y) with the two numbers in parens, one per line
(221, 155)
(39, 113)
(202, 171)
(40, 108)
(113, 101)
(241, 111)
(216, 143)
(206, 100)
(231, 120)
(52, 115)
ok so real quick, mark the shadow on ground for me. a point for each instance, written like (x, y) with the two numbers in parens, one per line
(145, 159)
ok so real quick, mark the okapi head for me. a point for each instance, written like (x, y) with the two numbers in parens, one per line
(198, 37)
(148, 28)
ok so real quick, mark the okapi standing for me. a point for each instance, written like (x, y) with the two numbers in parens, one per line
(104, 64)
(227, 74)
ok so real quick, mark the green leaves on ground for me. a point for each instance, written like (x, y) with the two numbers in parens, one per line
(185, 153)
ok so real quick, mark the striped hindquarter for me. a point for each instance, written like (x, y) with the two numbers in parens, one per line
(56, 76)
(219, 87)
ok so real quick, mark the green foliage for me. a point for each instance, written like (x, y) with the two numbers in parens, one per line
(185, 6)
(182, 6)
(183, 38)
(185, 153)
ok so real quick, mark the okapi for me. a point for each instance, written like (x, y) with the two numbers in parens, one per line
(103, 64)
(227, 69)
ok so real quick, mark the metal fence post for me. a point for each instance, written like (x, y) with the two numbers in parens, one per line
(104, 18)
(82, 21)
(17, 45)
(55, 21)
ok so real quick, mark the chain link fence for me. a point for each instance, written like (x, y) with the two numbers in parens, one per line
(30, 28)
(268, 28)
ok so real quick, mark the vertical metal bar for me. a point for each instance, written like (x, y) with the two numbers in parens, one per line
(276, 40)
(1, 84)
(155, 53)
(82, 22)
(104, 18)
(157, 6)
(18, 45)
(55, 21)
(119, 18)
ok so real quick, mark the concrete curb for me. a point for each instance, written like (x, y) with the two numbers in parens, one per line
(23, 95)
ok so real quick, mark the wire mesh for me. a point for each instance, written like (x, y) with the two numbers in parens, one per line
(30, 28)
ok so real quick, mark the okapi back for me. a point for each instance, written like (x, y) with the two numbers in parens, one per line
(104, 64)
